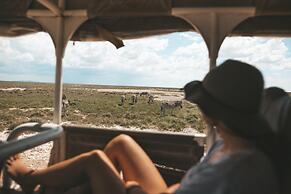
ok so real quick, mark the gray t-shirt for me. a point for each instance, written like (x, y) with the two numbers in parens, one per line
(245, 172)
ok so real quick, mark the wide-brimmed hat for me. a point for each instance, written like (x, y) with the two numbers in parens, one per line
(232, 93)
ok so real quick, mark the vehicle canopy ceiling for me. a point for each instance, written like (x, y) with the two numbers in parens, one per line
(129, 19)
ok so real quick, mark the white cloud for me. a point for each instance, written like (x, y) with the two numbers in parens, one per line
(36, 49)
(262, 52)
(145, 57)
(102, 55)
(153, 58)
(270, 55)
(191, 36)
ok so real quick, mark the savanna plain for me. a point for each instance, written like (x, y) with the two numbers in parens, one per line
(98, 106)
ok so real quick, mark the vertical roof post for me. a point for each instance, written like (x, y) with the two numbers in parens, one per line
(60, 25)
(213, 47)
(61, 29)
(214, 24)
(60, 46)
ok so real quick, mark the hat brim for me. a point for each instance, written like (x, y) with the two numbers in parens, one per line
(243, 124)
(193, 91)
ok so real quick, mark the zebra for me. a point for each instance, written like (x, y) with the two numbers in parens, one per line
(170, 106)
(65, 105)
(151, 99)
(122, 100)
(133, 99)
(143, 94)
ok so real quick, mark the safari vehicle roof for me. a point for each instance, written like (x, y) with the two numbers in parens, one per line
(135, 19)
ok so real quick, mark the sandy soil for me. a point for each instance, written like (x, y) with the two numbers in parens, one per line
(12, 89)
(158, 94)
(31, 109)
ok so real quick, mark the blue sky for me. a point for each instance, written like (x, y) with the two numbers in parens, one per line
(168, 61)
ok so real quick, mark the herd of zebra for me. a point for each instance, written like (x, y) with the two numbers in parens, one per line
(163, 107)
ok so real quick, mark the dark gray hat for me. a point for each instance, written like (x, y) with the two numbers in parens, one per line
(232, 93)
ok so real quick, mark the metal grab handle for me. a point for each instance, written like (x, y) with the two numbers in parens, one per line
(47, 132)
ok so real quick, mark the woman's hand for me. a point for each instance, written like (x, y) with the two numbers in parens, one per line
(171, 189)
(133, 187)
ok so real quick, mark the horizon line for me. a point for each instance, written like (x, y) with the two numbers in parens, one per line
(91, 84)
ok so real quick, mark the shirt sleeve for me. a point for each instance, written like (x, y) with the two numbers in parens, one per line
(248, 172)
(203, 181)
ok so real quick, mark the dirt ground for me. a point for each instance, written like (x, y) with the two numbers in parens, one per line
(158, 94)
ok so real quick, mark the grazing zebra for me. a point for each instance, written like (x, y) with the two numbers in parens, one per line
(122, 100)
(170, 106)
(65, 105)
(151, 99)
(133, 99)
(143, 94)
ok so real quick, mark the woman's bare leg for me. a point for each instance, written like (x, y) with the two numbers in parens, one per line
(135, 164)
(94, 167)
(103, 177)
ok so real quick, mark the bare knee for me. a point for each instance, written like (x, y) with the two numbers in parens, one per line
(118, 143)
(94, 156)
(122, 139)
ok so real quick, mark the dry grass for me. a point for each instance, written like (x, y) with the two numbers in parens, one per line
(88, 106)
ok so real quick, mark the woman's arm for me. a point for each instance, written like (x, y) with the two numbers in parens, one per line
(171, 189)
(133, 187)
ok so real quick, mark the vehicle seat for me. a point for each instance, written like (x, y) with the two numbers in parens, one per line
(278, 115)
(285, 133)
(10, 191)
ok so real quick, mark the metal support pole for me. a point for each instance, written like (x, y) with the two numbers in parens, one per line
(214, 24)
(58, 77)
(60, 28)
(214, 38)
(212, 63)
(58, 88)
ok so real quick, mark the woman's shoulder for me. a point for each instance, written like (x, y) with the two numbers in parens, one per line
(248, 171)
(250, 161)
(251, 164)
(249, 157)
(253, 169)
(249, 168)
